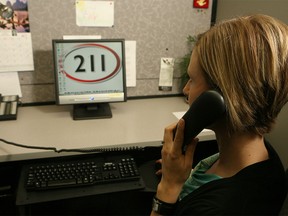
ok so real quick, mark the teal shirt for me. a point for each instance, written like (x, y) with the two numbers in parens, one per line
(198, 176)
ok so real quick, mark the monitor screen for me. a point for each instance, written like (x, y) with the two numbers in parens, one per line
(89, 74)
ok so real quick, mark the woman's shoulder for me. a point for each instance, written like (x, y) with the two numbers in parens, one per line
(259, 187)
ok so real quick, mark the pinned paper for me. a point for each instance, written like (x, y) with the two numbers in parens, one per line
(16, 53)
(94, 13)
(130, 56)
(166, 74)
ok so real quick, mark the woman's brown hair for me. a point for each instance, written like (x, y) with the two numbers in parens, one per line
(247, 60)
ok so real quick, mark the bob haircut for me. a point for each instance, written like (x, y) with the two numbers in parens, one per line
(246, 59)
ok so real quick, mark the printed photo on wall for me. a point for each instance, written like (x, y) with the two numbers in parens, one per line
(14, 15)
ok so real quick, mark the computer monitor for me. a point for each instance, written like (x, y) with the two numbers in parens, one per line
(89, 74)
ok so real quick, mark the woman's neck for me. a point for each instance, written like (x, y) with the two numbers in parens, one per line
(237, 152)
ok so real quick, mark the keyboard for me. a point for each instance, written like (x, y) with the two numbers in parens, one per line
(80, 172)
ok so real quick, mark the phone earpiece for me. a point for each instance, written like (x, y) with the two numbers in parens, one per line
(205, 110)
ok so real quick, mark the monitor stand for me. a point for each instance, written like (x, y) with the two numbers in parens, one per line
(91, 111)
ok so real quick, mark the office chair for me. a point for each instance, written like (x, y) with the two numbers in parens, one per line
(284, 209)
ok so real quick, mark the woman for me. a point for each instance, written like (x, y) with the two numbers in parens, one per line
(246, 60)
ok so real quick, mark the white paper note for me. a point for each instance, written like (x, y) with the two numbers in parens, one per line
(16, 52)
(9, 84)
(130, 58)
(178, 115)
(166, 74)
(94, 13)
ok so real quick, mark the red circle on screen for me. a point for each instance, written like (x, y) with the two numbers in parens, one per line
(117, 67)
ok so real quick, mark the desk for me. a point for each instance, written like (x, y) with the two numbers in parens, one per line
(138, 122)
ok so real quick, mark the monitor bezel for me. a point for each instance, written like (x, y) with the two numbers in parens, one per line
(55, 41)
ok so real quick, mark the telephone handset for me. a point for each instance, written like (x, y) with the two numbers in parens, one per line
(205, 110)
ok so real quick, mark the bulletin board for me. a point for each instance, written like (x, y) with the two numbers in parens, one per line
(159, 27)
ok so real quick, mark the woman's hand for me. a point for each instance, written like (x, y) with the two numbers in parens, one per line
(176, 166)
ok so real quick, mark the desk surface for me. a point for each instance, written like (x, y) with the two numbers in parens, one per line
(134, 123)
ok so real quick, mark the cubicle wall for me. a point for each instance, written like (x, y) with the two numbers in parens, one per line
(230, 8)
(159, 27)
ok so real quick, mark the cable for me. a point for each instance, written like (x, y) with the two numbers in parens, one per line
(25, 146)
(131, 148)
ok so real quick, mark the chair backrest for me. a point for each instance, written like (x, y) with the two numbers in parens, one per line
(284, 209)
